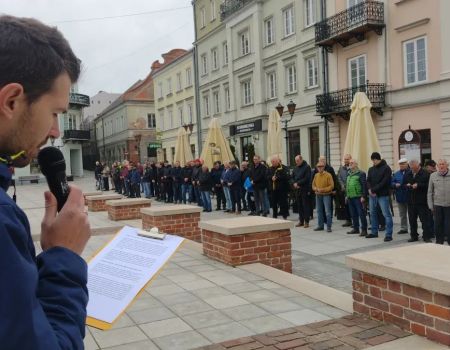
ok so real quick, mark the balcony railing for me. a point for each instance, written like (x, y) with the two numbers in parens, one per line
(79, 135)
(79, 99)
(231, 6)
(339, 102)
(351, 23)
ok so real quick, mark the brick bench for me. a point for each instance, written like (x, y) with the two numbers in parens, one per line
(406, 286)
(88, 194)
(181, 220)
(126, 208)
(247, 240)
(97, 203)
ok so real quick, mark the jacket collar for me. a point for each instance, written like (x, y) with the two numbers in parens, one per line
(5, 176)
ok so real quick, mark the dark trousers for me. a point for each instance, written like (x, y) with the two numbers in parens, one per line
(177, 192)
(244, 198)
(303, 205)
(421, 211)
(235, 198)
(280, 198)
(197, 195)
(357, 213)
(157, 189)
(168, 185)
(442, 224)
(135, 190)
(250, 201)
(220, 197)
(105, 183)
(259, 200)
(152, 189)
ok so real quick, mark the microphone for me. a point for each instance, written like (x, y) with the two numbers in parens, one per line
(53, 166)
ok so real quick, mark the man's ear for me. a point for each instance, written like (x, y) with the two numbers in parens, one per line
(12, 97)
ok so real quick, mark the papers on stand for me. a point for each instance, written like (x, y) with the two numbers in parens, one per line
(121, 270)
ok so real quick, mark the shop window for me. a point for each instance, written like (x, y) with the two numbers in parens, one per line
(247, 148)
(294, 145)
(314, 148)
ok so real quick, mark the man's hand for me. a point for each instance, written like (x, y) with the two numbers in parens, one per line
(295, 185)
(397, 185)
(70, 228)
(414, 186)
(362, 200)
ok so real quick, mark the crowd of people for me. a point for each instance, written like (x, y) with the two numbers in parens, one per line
(363, 201)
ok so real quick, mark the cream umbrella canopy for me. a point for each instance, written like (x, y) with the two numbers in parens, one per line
(274, 147)
(183, 152)
(361, 138)
(215, 147)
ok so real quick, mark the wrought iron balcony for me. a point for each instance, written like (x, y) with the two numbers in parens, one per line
(351, 23)
(339, 102)
(79, 99)
(76, 135)
(228, 7)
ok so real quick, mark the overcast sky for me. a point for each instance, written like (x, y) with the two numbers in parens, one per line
(115, 52)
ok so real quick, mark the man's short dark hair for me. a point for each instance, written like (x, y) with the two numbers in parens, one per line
(375, 155)
(430, 162)
(34, 55)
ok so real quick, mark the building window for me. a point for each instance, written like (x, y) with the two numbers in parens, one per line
(151, 120)
(246, 145)
(271, 85)
(165, 154)
(188, 77)
(169, 86)
(180, 115)
(193, 151)
(357, 71)
(415, 60)
(160, 90)
(291, 79)
(294, 145)
(247, 92)
(215, 60)
(179, 82)
(172, 151)
(213, 9)
(202, 17)
(216, 102)
(310, 12)
(190, 112)
(161, 118)
(268, 29)
(206, 105)
(225, 53)
(288, 18)
(171, 123)
(227, 99)
(312, 72)
(314, 142)
(245, 43)
(204, 65)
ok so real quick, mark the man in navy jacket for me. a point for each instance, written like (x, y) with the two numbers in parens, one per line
(43, 298)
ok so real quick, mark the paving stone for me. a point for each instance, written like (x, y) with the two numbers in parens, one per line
(196, 284)
(207, 319)
(178, 298)
(142, 345)
(301, 317)
(307, 302)
(181, 341)
(370, 333)
(268, 285)
(165, 327)
(151, 315)
(242, 287)
(331, 311)
(224, 332)
(189, 263)
(201, 268)
(245, 312)
(329, 344)
(206, 293)
(225, 302)
(185, 277)
(279, 306)
(89, 342)
(286, 292)
(119, 336)
(190, 308)
(221, 278)
(266, 323)
(123, 321)
(291, 344)
(144, 302)
(381, 339)
(165, 290)
(259, 296)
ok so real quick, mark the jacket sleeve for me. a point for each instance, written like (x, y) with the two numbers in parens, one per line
(363, 182)
(341, 180)
(430, 193)
(422, 181)
(306, 179)
(44, 304)
(330, 186)
(384, 181)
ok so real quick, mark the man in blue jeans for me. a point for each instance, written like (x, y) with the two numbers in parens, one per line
(379, 184)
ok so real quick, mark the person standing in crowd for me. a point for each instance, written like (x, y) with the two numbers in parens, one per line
(379, 184)
(196, 170)
(186, 186)
(342, 178)
(356, 193)
(245, 172)
(439, 201)
(216, 173)
(416, 181)
(116, 177)
(302, 185)
(322, 186)
(152, 179)
(258, 176)
(140, 169)
(146, 179)
(234, 184)
(279, 184)
(401, 194)
(111, 175)
(168, 182)
(205, 185)
(106, 172)
(177, 178)
(124, 178)
(135, 180)
(224, 179)
(161, 183)
(98, 175)
(430, 166)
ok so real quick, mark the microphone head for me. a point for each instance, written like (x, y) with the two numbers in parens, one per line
(51, 160)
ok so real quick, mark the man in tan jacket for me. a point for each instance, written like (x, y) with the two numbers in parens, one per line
(323, 185)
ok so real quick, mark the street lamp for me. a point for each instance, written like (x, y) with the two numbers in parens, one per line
(286, 119)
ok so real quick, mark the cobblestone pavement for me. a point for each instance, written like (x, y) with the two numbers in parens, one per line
(346, 333)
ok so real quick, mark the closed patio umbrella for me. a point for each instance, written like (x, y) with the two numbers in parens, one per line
(361, 138)
(183, 152)
(215, 147)
(274, 138)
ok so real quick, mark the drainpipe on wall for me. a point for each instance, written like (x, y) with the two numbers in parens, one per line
(323, 15)
(197, 88)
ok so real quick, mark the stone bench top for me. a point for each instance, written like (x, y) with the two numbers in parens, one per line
(247, 224)
(419, 265)
(162, 210)
(93, 193)
(104, 197)
(127, 201)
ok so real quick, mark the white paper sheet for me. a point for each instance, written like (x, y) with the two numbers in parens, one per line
(122, 269)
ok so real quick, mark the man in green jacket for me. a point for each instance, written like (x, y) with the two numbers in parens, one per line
(356, 192)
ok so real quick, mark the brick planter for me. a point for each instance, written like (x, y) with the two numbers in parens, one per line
(414, 296)
(88, 194)
(248, 240)
(180, 220)
(126, 209)
(97, 203)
